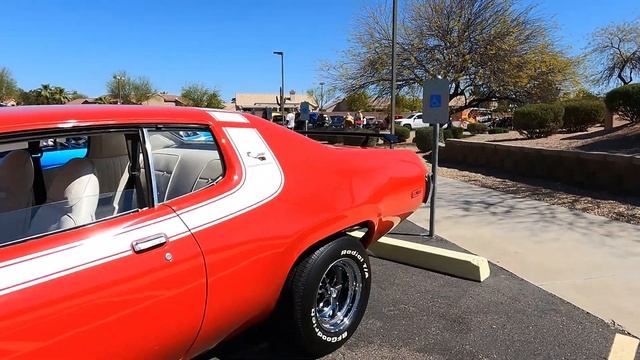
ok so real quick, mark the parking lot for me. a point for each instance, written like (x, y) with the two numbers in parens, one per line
(417, 314)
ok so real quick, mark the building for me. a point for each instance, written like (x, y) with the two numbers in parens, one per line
(159, 99)
(257, 103)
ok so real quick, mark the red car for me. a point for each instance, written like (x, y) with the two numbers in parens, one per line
(171, 229)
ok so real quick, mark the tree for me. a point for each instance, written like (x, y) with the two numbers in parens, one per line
(73, 95)
(359, 101)
(489, 49)
(322, 96)
(130, 90)
(8, 87)
(199, 95)
(614, 50)
(44, 95)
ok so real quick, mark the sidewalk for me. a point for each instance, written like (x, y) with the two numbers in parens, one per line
(590, 261)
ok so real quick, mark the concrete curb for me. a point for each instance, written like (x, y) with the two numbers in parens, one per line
(427, 257)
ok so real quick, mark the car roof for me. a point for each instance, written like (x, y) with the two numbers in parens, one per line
(36, 117)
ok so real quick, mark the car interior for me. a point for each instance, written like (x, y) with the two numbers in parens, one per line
(37, 198)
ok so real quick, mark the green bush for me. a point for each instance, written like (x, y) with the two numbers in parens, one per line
(538, 120)
(457, 132)
(477, 128)
(402, 132)
(447, 134)
(498, 130)
(579, 115)
(625, 101)
(424, 138)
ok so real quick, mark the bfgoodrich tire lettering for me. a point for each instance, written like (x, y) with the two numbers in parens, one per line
(326, 296)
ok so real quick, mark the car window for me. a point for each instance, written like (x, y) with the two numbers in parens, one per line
(418, 117)
(53, 184)
(184, 161)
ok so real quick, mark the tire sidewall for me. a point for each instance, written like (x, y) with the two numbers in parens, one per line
(313, 334)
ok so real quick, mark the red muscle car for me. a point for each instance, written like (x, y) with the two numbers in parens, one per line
(168, 230)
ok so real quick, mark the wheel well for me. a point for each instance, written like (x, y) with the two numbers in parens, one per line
(366, 226)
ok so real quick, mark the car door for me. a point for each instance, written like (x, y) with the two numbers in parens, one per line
(129, 286)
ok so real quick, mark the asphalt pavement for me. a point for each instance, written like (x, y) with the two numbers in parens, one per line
(418, 314)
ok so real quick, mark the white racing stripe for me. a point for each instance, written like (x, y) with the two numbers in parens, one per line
(262, 180)
(228, 116)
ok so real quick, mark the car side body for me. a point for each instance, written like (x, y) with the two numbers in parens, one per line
(225, 250)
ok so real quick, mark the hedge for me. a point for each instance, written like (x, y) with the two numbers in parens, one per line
(579, 115)
(538, 120)
(477, 128)
(625, 101)
(457, 132)
(424, 138)
(401, 132)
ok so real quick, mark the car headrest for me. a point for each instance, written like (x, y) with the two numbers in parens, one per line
(107, 145)
(73, 182)
(16, 175)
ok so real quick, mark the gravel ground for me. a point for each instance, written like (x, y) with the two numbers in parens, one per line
(624, 139)
(620, 208)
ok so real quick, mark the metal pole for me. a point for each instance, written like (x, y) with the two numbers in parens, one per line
(282, 88)
(434, 168)
(393, 68)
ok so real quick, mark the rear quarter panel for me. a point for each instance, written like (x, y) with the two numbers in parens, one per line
(325, 190)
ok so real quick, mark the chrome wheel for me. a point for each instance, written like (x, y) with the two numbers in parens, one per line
(338, 295)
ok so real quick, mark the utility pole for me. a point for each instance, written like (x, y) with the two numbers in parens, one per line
(281, 54)
(394, 29)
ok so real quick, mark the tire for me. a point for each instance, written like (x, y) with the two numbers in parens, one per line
(407, 126)
(319, 315)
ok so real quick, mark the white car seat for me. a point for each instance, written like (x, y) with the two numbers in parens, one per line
(16, 194)
(72, 198)
(110, 157)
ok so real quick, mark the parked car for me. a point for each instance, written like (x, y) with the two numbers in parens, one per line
(337, 121)
(181, 227)
(411, 122)
(414, 121)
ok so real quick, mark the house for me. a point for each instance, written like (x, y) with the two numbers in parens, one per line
(257, 103)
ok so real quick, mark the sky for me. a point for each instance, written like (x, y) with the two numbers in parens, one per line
(226, 45)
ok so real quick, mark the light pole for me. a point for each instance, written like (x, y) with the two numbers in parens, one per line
(118, 78)
(321, 105)
(281, 54)
(393, 67)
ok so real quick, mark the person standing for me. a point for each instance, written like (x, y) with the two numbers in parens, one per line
(358, 119)
(290, 120)
(348, 121)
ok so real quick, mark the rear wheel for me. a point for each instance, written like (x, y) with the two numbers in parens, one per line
(326, 296)
(408, 126)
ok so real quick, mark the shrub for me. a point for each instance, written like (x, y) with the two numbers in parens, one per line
(498, 130)
(424, 138)
(402, 132)
(625, 101)
(579, 115)
(538, 120)
(477, 128)
(457, 132)
(447, 134)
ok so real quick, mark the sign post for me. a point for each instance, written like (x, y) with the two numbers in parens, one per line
(304, 113)
(435, 111)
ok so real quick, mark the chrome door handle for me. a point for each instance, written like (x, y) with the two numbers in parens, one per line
(149, 243)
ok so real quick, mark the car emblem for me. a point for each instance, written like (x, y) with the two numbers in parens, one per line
(260, 156)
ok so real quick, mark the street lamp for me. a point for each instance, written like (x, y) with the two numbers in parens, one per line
(321, 96)
(118, 78)
(281, 54)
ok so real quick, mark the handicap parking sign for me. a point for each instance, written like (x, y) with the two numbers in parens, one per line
(435, 101)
